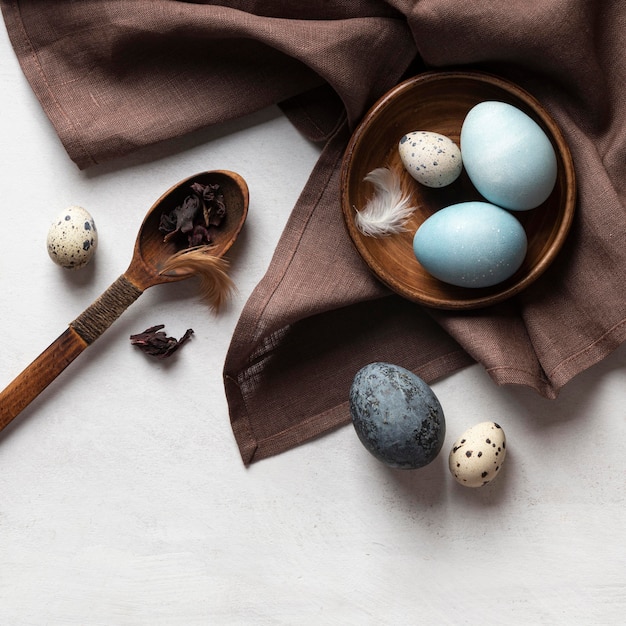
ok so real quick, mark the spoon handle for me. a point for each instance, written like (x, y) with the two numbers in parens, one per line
(39, 374)
(82, 332)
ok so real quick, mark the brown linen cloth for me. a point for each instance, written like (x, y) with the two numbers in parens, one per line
(116, 75)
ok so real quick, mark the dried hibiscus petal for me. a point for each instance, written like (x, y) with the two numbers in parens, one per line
(199, 236)
(154, 342)
(182, 218)
(199, 213)
(212, 197)
(217, 215)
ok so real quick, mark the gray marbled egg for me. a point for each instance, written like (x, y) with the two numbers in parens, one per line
(72, 238)
(396, 416)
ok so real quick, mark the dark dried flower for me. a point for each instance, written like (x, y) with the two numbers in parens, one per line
(199, 236)
(210, 193)
(217, 215)
(167, 223)
(156, 343)
(182, 218)
(214, 208)
(199, 213)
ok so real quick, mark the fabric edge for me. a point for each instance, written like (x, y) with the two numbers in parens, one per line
(591, 355)
(253, 450)
(36, 78)
(240, 425)
(503, 376)
(567, 370)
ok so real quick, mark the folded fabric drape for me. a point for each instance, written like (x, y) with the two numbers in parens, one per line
(99, 68)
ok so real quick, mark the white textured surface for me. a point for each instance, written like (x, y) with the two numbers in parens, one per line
(123, 500)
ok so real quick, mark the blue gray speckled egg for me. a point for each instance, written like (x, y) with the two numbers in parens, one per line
(72, 238)
(396, 415)
(432, 159)
(507, 156)
(477, 455)
(471, 244)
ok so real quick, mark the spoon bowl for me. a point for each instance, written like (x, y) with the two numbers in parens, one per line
(150, 255)
(152, 251)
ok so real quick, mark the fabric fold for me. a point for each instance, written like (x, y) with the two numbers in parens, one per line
(306, 326)
(114, 76)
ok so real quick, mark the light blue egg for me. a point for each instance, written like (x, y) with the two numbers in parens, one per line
(507, 156)
(471, 244)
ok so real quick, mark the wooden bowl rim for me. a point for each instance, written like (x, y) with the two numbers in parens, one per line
(498, 293)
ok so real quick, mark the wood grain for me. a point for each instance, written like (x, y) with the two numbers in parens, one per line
(149, 256)
(439, 102)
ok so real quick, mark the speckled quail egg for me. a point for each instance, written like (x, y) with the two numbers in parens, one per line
(72, 238)
(477, 455)
(432, 159)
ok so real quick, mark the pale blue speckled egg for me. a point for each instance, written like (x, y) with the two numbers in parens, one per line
(471, 244)
(396, 416)
(507, 156)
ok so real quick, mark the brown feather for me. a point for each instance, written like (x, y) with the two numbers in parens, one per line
(215, 284)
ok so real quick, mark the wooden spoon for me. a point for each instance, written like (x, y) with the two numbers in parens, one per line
(145, 270)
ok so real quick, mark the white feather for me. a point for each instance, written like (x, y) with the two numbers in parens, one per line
(387, 211)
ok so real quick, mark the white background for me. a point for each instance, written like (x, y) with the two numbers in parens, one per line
(123, 499)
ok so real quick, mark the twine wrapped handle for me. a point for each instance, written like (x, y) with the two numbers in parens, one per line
(82, 332)
(92, 322)
(154, 262)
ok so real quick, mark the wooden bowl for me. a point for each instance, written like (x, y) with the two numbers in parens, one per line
(439, 102)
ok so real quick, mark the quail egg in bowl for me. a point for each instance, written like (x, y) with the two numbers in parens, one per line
(439, 102)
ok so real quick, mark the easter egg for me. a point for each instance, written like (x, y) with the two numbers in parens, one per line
(471, 244)
(477, 455)
(432, 159)
(72, 238)
(507, 156)
(396, 415)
